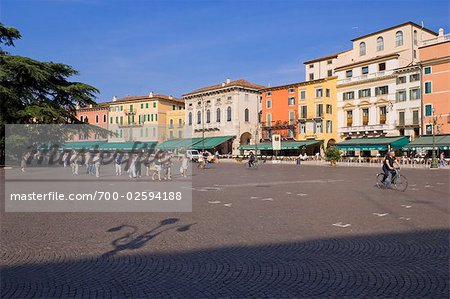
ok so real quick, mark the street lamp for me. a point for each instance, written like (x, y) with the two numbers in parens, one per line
(434, 118)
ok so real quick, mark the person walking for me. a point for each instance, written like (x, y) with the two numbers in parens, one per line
(138, 165)
(118, 164)
(97, 161)
(184, 165)
(23, 162)
(74, 162)
(157, 168)
(442, 160)
(132, 169)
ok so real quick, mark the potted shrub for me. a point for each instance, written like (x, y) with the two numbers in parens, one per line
(333, 154)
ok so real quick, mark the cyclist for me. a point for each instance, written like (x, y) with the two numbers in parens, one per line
(389, 164)
(251, 159)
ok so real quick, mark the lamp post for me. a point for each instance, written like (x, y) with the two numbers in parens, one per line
(434, 164)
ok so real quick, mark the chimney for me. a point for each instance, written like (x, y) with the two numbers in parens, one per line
(223, 84)
(170, 97)
(90, 105)
(114, 98)
(228, 80)
(441, 32)
(150, 95)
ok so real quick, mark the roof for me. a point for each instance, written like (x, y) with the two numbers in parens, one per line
(367, 60)
(146, 97)
(393, 27)
(298, 84)
(334, 55)
(235, 83)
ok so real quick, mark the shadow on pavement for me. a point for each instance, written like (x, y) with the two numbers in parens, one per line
(414, 264)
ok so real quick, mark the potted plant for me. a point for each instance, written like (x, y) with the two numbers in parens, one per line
(333, 154)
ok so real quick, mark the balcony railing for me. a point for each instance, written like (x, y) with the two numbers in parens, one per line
(130, 112)
(379, 74)
(350, 129)
(407, 123)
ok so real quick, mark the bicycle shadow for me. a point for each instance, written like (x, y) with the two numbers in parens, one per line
(132, 240)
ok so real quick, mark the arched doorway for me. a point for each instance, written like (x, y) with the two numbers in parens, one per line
(331, 143)
(246, 138)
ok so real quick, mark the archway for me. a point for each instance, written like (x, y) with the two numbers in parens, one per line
(246, 138)
(331, 143)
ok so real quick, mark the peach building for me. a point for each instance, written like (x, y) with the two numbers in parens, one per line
(435, 63)
(96, 115)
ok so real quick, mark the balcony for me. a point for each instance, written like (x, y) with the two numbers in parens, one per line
(129, 112)
(408, 123)
(280, 124)
(206, 127)
(355, 129)
(379, 74)
(131, 125)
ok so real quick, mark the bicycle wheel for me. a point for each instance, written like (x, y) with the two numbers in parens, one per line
(401, 183)
(380, 183)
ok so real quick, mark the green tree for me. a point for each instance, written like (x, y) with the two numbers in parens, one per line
(35, 92)
(333, 154)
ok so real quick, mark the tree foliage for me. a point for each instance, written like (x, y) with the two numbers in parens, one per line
(333, 154)
(35, 92)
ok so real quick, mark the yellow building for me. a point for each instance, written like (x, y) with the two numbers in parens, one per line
(175, 124)
(141, 118)
(317, 111)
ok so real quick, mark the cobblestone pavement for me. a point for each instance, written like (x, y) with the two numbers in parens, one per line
(279, 231)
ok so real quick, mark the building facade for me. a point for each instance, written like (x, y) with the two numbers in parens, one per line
(435, 63)
(321, 68)
(96, 115)
(175, 124)
(141, 118)
(227, 109)
(379, 83)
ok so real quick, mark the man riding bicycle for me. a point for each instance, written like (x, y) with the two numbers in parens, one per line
(389, 168)
(251, 159)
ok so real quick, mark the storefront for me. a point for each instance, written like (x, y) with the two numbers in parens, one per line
(371, 147)
(423, 145)
(288, 148)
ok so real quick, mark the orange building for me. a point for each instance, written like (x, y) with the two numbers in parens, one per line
(94, 115)
(435, 62)
(280, 111)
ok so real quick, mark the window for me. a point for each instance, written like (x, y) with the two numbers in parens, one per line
(142, 105)
(171, 123)
(111, 120)
(415, 117)
(180, 134)
(291, 90)
(146, 106)
(318, 127)
(208, 116)
(429, 129)
(190, 104)
(382, 66)
(401, 118)
(414, 54)
(319, 110)
(190, 119)
(154, 104)
(199, 117)
(428, 110)
(401, 80)
(319, 92)
(268, 119)
(246, 115)
(364, 93)
(414, 94)
(362, 49)
(329, 128)
(329, 61)
(291, 101)
(427, 70)
(349, 73)
(349, 118)
(330, 73)
(415, 37)
(131, 108)
(229, 113)
(380, 44)
(96, 118)
(427, 87)
(218, 115)
(303, 111)
(121, 120)
(302, 128)
(383, 115)
(399, 38)
(311, 76)
(329, 109)
(381, 90)
(268, 104)
(229, 99)
(152, 117)
(291, 117)
(174, 107)
(311, 66)
(401, 96)
(365, 70)
(327, 93)
(303, 94)
(414, 77)
(365, 114)
(268, 94)
(350, 95)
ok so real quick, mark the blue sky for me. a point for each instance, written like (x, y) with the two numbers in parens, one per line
(172, 47)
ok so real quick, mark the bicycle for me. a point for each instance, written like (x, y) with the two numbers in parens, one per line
(398, 181)
(255, 164)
